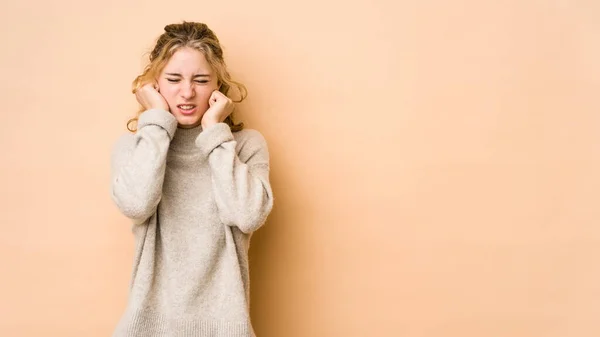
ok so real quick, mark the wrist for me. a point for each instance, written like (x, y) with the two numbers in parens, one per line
(159, 107)
(208, 124)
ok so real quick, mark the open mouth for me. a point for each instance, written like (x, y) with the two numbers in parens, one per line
(186, 109)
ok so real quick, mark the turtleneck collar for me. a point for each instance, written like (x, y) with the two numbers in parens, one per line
(184, 139)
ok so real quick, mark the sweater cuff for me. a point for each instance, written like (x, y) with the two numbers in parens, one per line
(159, 117)
(212, 137)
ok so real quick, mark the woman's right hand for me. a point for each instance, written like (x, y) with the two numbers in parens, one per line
(149, 97)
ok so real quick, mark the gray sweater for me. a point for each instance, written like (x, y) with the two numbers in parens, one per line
(195, 197)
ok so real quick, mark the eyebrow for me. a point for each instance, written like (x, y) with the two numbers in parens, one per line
(179, 75)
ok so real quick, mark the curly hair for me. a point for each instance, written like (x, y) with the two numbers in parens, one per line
(193, 35)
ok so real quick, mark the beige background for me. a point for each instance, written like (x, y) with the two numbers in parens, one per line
(436, 165)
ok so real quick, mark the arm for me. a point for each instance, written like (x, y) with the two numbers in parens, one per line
(240, 183)
(138, 165)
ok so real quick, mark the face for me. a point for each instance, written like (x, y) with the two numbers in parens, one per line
(186, 83)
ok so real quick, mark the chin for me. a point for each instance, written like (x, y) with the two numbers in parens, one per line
(189, 121)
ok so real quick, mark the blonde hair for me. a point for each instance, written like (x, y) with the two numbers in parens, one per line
(197, 36)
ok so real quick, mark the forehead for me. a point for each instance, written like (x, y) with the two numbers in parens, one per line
(188, 61)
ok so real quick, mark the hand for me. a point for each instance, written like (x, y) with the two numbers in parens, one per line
(220, 106)
(150, 98)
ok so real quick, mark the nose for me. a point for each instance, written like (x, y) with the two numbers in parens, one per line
(187, 90)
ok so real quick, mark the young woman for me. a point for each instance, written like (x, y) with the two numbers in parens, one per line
(196, 186)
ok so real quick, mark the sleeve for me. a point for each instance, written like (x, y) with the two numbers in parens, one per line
(138, 164)
(240, 183)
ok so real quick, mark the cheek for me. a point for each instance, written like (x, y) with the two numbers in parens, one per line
(204, 94)
(169, 92)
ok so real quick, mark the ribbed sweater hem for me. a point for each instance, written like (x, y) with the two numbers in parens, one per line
(144, 324)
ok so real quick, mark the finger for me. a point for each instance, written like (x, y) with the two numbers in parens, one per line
(214, 95)
(222, 96)
(213, 98)
(219, 94)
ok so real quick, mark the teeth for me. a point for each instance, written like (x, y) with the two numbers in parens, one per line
(186, 107)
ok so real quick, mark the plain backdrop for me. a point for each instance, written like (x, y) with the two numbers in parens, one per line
(435, 163)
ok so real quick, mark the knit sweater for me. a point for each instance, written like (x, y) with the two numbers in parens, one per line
(194, 197)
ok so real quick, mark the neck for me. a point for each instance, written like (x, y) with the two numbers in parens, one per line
(185, 138)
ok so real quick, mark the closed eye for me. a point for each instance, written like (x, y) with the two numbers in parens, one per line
(175, 80)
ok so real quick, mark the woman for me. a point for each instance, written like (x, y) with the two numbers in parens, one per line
(196, 186)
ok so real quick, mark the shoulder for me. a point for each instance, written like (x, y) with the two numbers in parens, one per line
(123, 144)
(250, 137)
(125, 139)
(250, 142)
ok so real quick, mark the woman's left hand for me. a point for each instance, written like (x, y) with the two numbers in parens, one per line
(220, 106)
